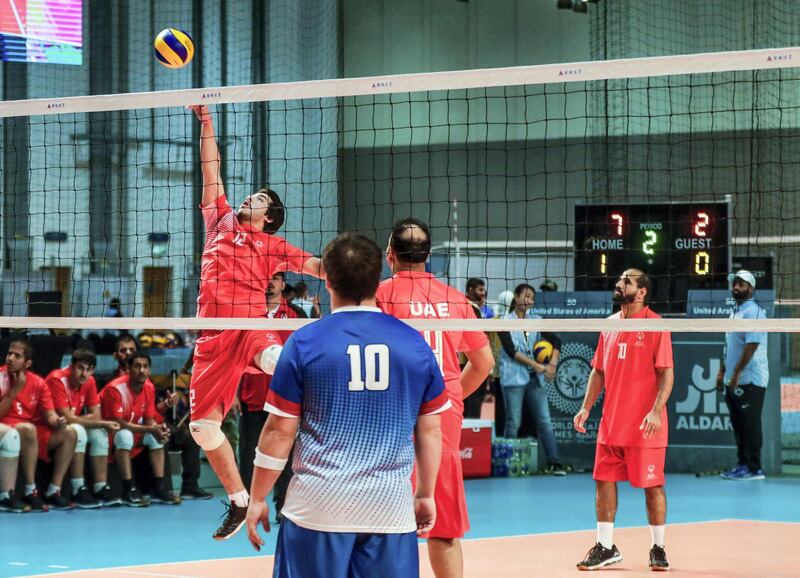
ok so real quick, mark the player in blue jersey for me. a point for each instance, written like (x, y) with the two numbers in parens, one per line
(365, 391)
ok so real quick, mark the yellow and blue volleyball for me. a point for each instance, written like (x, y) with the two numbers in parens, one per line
(542, 351)
(174, 48)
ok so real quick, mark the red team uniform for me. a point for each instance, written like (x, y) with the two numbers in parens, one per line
(419, 295)
(28, 406)
(238, 263)
(117, 401)
(628, 360)
(65, 396)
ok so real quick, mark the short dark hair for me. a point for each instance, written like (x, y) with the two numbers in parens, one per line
(353, 265)
(27, 348)
(643, 281)
(407, 248)
(139, 355)
(84, 356)
(276, 212)
(123, 338)
(474, 282)
(300, 287)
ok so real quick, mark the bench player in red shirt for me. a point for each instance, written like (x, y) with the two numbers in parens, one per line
(412, 293)
(240, 256)
(26, 405)
(636, 371)
(75, 398)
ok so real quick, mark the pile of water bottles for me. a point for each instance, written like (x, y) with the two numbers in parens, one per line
(514, 457)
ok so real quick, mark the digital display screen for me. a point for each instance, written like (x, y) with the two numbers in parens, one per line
(681, 246)
(41, 31)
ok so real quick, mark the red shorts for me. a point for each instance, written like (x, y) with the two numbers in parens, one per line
(643, 467)
(43, 434)
(452, 520)
(220, 360)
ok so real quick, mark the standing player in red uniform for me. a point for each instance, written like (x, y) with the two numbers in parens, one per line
(636, 371)
(240, 256)
(412, 293)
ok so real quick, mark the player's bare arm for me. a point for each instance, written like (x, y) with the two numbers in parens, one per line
(55, 421)
(593, 389)
(276, 441)
(479, 363)
(651, 424)
(89, 420)
(428, 449)
(313, 266)
(209, 156)
(137, 428)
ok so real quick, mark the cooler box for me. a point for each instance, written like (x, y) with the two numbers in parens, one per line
(476, 448)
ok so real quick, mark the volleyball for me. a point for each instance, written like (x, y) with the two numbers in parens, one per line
(174, 48)
(542, 351)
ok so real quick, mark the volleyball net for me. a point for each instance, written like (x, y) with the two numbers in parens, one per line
(559, 176)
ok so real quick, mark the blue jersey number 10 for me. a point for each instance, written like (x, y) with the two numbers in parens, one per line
(376, 367)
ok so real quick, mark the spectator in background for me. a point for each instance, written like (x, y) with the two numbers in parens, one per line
(75, 398)
(124, 347)
(744, 376)
(520, 376)
(114, 308)
(309, 306)
(253, 394)
(548, 285)
(476, 293)
(26, 405)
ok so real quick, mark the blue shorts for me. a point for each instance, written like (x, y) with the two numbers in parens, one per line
(302, 553)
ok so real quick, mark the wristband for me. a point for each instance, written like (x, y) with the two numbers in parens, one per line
(268, 462)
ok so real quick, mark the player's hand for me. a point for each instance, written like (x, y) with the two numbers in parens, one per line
(236, 406)
(172, 399)
(111, 426)
(425, 513)
(201, 111)
(734, 381)
(61, 422)
(162, 433)
(579, 421)
(550, 372)
(651, 425)
(257, 512)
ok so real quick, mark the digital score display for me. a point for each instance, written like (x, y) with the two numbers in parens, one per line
(682, 246)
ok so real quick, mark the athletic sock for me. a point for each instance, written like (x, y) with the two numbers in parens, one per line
(77, 484)
(657, 535)
(5, 495)
(53, 489)
(29, 489)
(98, 486)
(241, 499)
(605, 534)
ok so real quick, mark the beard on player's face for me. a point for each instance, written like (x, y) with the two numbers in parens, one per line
(621, 298)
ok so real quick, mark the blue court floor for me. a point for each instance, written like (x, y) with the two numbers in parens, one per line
(81, 539)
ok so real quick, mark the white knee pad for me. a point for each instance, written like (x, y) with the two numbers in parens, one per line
(9, 444)
(98, 442)
(151, 442)
(123, 440)
(82, 438)
(269, 358)
(207, 433)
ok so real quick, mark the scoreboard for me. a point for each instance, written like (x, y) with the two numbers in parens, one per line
(682, 246)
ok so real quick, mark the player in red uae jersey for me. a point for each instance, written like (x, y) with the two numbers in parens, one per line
(635, 370)
(26, 405)
(240, 256)
(412, 293)
(129, 400)
(75, 398)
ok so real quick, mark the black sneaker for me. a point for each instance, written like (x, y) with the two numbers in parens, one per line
(106, 498)
(195, 493)
(34, 500)
(133, 497)
(83, 498)
(57, 502)
(165, 496)
(600, 557)
(658, 559)
(13, 504)
(556, 469)
(233, 522)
